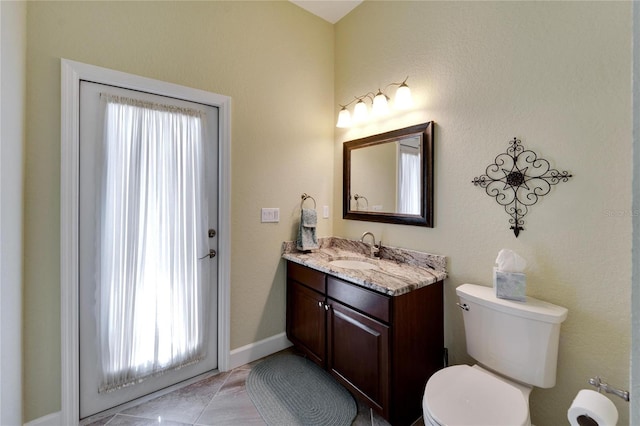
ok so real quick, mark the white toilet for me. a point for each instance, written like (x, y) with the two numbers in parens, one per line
(516, 347)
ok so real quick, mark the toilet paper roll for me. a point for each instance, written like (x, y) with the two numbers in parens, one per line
(590, 408)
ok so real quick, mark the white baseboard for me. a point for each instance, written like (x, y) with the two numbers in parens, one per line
(257, 350)
(53, 419)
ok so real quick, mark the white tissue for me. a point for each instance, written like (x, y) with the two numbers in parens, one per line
(509, 280)
(510, 261)
(594, 405)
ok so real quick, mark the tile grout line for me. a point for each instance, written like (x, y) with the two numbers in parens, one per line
(214, 396)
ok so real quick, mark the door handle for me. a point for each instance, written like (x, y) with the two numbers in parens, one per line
(212, 253)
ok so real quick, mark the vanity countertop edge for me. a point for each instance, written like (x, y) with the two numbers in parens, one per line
(398, 271)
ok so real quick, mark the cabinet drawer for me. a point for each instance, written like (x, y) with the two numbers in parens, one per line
(307, 276)
(367, 301)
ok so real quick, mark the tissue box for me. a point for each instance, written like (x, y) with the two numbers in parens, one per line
(510, 285)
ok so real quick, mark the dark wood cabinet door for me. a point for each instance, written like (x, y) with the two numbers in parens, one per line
(306, 323)
(359, 354)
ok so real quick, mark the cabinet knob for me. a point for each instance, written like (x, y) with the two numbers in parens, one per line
(320, 304)
(326, 307)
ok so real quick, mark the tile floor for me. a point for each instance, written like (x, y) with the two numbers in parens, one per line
(218, 400)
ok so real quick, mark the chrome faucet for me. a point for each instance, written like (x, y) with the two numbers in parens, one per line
(375, 248)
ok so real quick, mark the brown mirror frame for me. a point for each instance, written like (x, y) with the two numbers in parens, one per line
(425, 218)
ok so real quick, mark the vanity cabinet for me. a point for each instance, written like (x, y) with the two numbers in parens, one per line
(306, 321)
(381, 348)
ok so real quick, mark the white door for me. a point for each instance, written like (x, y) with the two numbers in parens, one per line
(96, 394)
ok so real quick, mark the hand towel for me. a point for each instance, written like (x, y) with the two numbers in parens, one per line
(307, 239)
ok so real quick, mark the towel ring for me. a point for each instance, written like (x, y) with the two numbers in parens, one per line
(304, 198)
(358, 197)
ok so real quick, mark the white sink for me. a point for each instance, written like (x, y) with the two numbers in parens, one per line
(352, 264)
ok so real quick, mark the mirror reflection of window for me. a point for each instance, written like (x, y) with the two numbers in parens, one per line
(409, 176)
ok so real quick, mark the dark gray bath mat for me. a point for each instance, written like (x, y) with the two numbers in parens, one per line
(290, 390)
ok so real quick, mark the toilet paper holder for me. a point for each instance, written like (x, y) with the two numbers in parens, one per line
(602, 386)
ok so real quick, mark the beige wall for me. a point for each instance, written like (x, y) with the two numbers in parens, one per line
(635, 274)
(13, 42)
(557, 75)
(276, 62)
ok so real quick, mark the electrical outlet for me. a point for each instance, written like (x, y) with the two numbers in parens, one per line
(271, 214)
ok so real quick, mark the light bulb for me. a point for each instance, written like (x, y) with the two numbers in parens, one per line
(403, 98)
(360, 111)
(344, 118)
(380, 105)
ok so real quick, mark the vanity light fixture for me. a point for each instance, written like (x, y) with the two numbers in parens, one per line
(360, 111)
(379, 104)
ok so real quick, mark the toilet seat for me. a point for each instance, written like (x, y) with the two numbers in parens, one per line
(462, 395)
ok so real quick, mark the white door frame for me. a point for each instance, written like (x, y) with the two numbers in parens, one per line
(72, 72)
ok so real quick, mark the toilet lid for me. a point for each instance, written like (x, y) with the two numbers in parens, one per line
(463, 395)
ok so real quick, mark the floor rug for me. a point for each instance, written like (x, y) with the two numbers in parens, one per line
(290, 390)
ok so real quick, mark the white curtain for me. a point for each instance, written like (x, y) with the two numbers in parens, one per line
(409, 180)
(151, 286)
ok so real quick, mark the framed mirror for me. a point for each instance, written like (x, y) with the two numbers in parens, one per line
(389, 177)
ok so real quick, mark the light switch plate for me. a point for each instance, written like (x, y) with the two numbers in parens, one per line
(271, 214)
(325, 212)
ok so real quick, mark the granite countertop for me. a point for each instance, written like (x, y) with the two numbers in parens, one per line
(398, 271)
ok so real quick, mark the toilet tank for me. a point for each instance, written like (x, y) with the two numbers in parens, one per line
(516, 339)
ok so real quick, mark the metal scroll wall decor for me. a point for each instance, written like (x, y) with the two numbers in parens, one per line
(517, 179)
